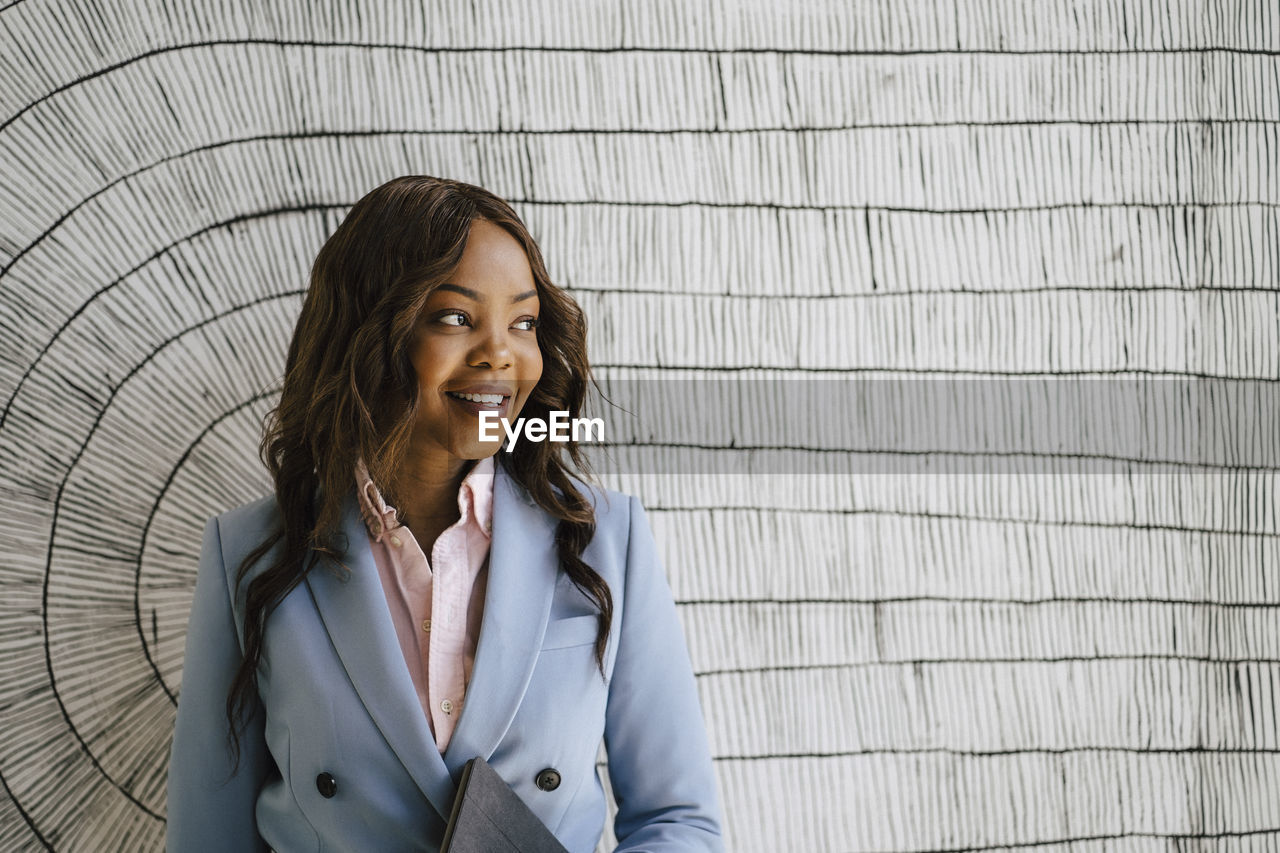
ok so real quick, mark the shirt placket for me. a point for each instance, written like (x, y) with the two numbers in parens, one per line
(419, 583)
(449, 625)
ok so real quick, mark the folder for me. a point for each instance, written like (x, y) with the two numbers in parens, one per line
(488, 817)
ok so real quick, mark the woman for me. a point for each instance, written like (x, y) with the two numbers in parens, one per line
(404, 602)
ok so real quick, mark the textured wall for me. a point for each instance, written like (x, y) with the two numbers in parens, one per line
(888, 661)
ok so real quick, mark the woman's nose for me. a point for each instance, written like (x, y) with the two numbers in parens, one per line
(493, 350)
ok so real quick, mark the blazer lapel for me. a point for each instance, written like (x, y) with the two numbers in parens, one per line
(522, 578)
(354, 612)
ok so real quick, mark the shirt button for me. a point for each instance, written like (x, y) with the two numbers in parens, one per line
(548, 780)
(326, 785)
(426, 625)
(395, 540)
(446, 706)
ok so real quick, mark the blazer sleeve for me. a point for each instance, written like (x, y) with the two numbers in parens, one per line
(659, 758)
(210, 807)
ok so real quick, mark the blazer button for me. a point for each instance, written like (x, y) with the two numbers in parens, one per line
(326, 785)
(548, 780)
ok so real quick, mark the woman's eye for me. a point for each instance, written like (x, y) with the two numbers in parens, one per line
(526, 324)
(453, 318)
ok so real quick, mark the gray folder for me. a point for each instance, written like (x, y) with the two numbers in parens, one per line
(489, 817)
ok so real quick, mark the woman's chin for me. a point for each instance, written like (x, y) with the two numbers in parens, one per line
(471, 448)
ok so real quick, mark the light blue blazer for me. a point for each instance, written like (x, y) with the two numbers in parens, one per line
(336, 699)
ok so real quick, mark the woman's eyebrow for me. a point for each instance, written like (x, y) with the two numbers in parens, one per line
(465, 291)
(476, 297)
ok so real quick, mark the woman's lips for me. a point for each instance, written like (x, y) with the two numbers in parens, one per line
(475, 407)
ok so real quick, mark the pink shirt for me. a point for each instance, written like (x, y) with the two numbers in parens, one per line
(437, 612)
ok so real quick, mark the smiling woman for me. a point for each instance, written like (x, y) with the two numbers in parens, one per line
(402, 604)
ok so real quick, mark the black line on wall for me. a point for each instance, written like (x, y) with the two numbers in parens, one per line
(1026, 602)
(842, 452)
(1115, 837)
(996, 753)
(151, 516)
(31, 824)
(55, 513)
(939, 291)
(355, 134)
(107, 69)
(80, 309)
(1082, 839)
(1127, 372)
(944, 662)
(1029, 522)
(871, 247)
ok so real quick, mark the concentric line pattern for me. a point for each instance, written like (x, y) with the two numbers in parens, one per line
(937, 661)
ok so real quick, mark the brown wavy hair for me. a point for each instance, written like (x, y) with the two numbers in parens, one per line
(368, 286)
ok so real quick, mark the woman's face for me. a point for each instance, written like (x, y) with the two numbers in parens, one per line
(475, 347)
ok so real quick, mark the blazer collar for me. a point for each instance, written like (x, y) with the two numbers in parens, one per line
(522, 576)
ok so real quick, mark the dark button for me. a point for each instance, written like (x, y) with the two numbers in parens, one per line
(548, 780)
(328, 786)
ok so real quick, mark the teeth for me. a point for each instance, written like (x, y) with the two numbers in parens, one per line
(489, 399)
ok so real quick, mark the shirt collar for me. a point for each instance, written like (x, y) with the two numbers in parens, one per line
(475, 498)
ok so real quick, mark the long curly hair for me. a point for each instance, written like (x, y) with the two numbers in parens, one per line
(339, 403)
